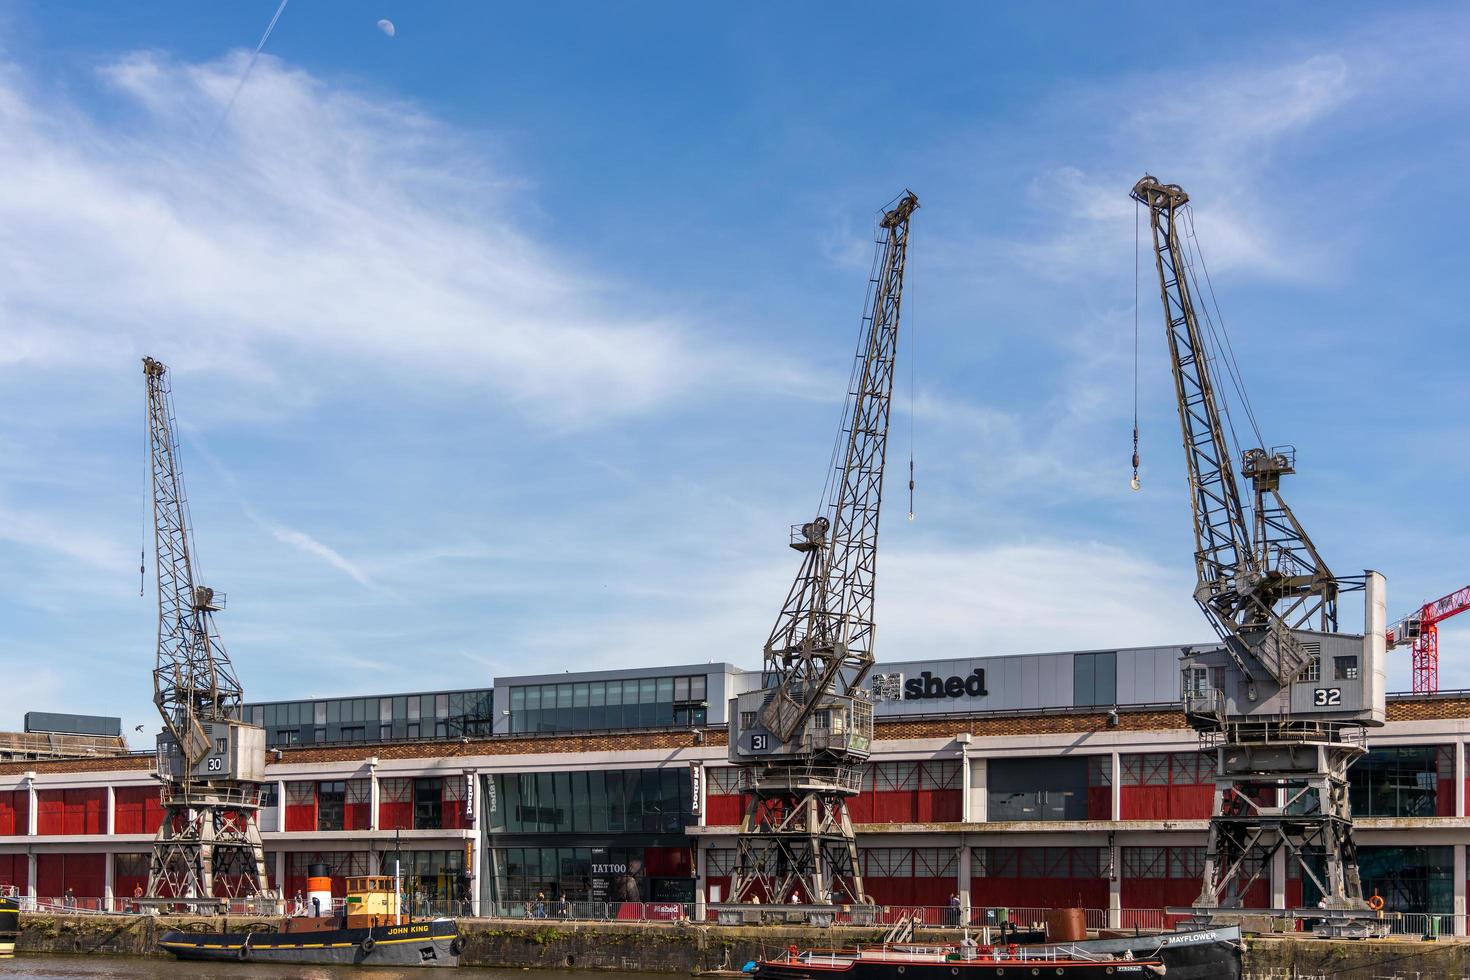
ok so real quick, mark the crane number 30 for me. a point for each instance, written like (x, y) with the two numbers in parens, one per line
(216, 764)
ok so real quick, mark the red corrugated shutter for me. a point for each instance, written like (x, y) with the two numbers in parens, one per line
(395, 804)
(300, 806)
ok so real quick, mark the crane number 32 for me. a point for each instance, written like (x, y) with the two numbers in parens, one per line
(1327, 697)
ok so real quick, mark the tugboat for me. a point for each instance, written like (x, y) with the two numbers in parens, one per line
(370, 930)
(9, 919)
(1212, 954)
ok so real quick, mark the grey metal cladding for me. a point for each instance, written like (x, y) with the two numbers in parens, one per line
(69, 724)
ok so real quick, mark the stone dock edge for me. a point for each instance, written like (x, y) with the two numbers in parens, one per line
(688, 949)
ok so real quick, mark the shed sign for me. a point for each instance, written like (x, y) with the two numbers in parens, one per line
(927, 686)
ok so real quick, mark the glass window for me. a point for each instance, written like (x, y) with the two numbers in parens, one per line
(1403, 781)
(581, 718)
(1314, 670)
(413, 729)
(1106, 676)
(354, 733)
(334, 712)
(648, 690)
(320, 713)
(1345, 668)
(697, 688)
(563, 696)
(545, 802)
(428, 796)
(330, 798)
(319, 735)
(441, 706)
(413, 709)
(1084, 682)
(597, 800)
(614, 693)
(562, 788)
(681, 689)
(385, 731)
(1038, 788)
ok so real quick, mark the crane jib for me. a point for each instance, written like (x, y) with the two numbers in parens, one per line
(1258, 580)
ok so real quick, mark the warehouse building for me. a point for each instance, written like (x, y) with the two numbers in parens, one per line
(1018, 782)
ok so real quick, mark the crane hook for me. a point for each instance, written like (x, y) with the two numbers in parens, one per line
(1133, 483)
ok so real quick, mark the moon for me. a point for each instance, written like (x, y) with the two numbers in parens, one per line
(386, 26)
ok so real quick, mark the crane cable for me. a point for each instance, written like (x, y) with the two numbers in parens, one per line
(147, 512)
(1232, 367)
(913, 358)
(1133, 483)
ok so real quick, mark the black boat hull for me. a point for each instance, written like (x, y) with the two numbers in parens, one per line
(421, 944)
(9, 924)
(1200, 955)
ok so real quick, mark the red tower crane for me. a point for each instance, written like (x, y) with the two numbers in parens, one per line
(1422, 629)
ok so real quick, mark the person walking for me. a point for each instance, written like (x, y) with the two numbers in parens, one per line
(954, 908)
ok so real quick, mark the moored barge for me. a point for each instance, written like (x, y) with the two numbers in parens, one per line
(1213, 954)
(369, 931)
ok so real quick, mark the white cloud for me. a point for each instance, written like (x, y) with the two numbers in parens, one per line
(34, 687)
(305, 542)
(1030, 597)
(322, 225)
(38, 531)
(931, 601)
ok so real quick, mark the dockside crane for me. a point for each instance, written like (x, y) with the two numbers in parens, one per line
(208, 849)
(804, 736)
(1283, 702)
(1421, 628)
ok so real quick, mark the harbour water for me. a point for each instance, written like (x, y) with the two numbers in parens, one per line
(41, 967)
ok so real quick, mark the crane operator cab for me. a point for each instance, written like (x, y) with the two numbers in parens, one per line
(1342, 681)
(236, 752)
(838, 731)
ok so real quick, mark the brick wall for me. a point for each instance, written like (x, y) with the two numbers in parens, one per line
(1042, 723)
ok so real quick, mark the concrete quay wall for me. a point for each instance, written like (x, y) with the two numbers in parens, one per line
(686, 949)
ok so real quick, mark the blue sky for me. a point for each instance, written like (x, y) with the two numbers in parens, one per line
(514, 342)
